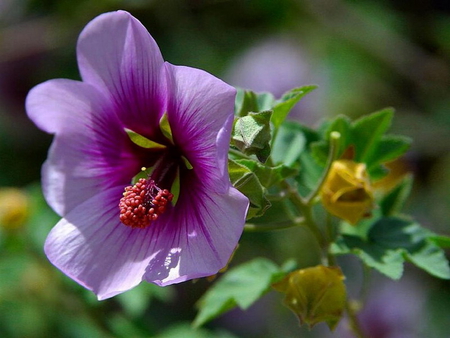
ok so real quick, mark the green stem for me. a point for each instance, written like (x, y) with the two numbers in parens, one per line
(239, 154)
(334, 147)
(251, 227)
(355, 326)
(305, 210)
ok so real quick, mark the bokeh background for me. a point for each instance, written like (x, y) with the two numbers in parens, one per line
(364, 55)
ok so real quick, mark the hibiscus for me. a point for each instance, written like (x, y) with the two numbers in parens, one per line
(138, 165)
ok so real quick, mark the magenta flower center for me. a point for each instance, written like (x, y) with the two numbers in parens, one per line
(142, 203)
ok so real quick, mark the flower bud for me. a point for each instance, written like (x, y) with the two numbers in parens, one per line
(315, 294)
(346, 192)
(14, 205)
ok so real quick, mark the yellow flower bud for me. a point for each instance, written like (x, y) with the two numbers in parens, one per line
(346, 192)
(14, 208)
(315, 294)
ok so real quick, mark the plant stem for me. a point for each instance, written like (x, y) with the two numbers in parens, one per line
(332, 154)
(251, 227)
(353, 321)
(306, 212)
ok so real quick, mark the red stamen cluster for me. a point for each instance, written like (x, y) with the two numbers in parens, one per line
(142, 203)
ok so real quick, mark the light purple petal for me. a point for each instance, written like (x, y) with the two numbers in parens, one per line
(117, 55)
(91, 246)
(198, 237)
(90, 151)
(201, 115)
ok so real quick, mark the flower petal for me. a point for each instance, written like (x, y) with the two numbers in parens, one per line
(117, 55)
(91, 246)
(198, 238)
(90, 152)
(201, 116)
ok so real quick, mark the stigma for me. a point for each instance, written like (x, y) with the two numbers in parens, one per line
(142, 203)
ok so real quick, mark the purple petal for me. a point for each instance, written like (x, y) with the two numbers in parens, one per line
(201, 115)
(90, 151)
(198, 237)
(91, 246)
(117, 55)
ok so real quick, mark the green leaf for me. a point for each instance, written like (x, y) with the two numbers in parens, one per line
(251, 134)
(394, 200)
(142, 141)
(289, 143)
(281, 215)
(388, 262)
(248, 183)
(388, 148)
(248, 101)
(310, 174)
(185, 330)
(367, 131)
(268, 176)
(440, 240)
(137, 300)
(390, 241)
(287, 102)
(240, 286)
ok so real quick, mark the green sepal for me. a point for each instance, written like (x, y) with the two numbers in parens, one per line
(284, 105)
(142, 141)
(176, 187)
(251, 134)
(164, 126)
(248, 183)
(241, 286)
(392, 240)
(186, 162)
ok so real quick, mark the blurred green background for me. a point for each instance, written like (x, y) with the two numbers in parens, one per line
(364, 55)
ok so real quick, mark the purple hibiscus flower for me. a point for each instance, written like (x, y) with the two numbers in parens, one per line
(134, 110)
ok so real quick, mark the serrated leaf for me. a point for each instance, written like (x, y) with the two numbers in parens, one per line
(287, 102)
(268, 176)
(430, 258)
(240, 286)
(248, 101)
(390, 241)
(367, 131)
(248, 183)
(388, 148)
(388, 262)
(251, 134)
